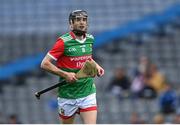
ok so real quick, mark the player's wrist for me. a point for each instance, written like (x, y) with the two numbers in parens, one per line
(63, 74)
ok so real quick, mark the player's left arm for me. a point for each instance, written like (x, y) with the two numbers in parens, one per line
(99, 68)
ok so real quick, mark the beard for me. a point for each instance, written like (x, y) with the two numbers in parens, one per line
(79, 32)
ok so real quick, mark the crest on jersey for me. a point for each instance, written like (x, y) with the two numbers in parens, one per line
(62, 111)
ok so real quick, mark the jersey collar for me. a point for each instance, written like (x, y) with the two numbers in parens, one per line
(74, 37)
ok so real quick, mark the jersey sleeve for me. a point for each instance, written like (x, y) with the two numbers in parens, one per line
(57, 50)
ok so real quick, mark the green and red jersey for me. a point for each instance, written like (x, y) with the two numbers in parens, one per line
(70, 55)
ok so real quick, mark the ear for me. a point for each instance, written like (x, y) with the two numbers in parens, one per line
(71, 27)
(71, 22)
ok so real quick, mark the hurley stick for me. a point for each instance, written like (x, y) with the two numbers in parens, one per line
(88, 70)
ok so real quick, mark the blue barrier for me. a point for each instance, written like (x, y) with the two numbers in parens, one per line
(147, 23)
(20, 66)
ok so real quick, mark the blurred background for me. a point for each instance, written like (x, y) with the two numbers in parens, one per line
(137, 43)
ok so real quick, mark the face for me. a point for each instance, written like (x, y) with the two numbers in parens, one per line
(79, 23)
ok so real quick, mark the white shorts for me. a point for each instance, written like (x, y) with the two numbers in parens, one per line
(68, 107)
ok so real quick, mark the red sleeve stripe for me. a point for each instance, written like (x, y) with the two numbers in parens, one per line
(52, 56)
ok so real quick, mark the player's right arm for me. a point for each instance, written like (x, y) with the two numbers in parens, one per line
(53, 54)
(47, 65)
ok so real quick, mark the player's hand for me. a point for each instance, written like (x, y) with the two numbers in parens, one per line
(100, 71)
(70, 77)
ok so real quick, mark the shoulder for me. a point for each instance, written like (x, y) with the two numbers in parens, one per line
(66, 37)
(90, 36)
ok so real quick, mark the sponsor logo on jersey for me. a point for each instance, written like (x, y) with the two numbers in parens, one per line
(80, 58)
(80, 64)
(72, 49)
